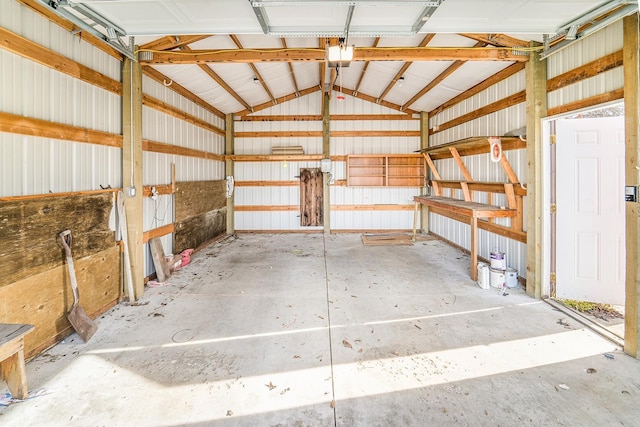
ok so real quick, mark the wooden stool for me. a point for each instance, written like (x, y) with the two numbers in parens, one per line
(12, 367)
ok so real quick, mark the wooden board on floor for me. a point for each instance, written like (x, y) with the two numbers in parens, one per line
(386, 239)
(159, 262)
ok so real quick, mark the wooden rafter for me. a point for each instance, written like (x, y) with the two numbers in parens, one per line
(181, 90)
(318, 55)
(373, 99)
(498, 77)
(425, 41)
(221, 82)
(173, 42)
(291, 72)
(440, 78)
(236, 40)
(501, 40)
(280, 99)
(366, 65)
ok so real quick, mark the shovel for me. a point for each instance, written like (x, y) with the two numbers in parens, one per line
(84, 326)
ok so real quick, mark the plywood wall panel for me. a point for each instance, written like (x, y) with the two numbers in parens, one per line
(44, 299)
(29, 242)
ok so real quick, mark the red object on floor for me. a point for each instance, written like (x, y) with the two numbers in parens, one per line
(186, 256)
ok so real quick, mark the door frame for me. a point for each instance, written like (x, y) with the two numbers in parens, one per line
(547, 220)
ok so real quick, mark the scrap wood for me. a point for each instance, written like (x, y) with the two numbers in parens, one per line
(386, 239)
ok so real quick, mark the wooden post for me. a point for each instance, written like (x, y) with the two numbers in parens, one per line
(474, 248)
(229, 171)
(424, 143)
(326, 179)
(132, 169)
(632, 125)
(536, 100)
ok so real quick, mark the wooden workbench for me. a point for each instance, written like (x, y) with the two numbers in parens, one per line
(471, 210)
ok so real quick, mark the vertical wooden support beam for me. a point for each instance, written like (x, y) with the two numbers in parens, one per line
(132, 168)
(424, 143)
(536, 101)
(632, 130)
(229, 147)
(326, 150)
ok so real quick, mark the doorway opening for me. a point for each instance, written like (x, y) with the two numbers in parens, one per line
(584, 171)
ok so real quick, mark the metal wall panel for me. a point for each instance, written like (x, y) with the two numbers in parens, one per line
(604, 42)
(481, 168)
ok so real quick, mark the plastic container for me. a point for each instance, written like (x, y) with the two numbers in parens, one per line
(483, 275)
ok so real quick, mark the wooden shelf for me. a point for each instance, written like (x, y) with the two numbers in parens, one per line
(470, 146)
(385, 170)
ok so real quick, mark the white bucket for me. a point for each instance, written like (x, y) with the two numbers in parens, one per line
(511, 279)
(496, 278)
(483, 275)
(498, 260)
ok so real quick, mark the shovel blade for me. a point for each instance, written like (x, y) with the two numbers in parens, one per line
(84, 326)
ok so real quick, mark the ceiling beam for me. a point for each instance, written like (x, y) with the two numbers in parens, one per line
(425, 41)
(221, 82)
(318, 55)
(291, 72)
(281, 99)
(236, 40)
(173, 42)
(439, 79)
(373, 99)
(501, 40)
(485, 84)
(181, 90)
(366, 65)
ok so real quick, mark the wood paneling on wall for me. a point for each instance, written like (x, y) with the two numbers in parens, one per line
(29, 242)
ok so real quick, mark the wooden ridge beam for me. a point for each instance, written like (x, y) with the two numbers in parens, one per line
(25, 48)
(12, 123)
(180, 90)
(318, 55)
(318, 117)
(158, 105)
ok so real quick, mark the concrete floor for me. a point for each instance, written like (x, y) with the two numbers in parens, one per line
(306, 330)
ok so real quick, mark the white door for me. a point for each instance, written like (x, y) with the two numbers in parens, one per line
(590, 219)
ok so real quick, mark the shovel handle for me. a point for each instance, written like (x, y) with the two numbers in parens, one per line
(65, 238)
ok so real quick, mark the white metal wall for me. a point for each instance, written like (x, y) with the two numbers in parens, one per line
(160, 127)
(482, 168)
(339, 195)
(604, 42)
(33, 165)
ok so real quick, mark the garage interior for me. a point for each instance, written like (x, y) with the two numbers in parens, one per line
(264, 234)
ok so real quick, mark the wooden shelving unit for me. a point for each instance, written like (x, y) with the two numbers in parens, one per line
(385, 170)
(478, 215)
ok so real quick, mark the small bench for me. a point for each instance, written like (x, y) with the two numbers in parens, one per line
(12, 366)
